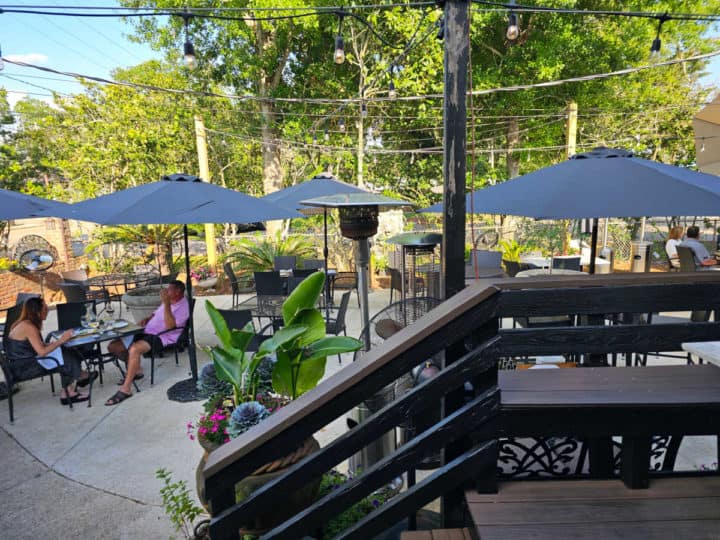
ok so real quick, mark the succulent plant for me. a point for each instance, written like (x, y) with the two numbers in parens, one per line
(245, 416)
(264, 374)
(209, 385)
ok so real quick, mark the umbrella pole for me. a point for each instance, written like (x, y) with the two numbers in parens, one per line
(327, 280)
(593, 245)
(191, 329)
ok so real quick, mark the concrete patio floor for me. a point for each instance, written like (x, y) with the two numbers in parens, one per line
(90, 472)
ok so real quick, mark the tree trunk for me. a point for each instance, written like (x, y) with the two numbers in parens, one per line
(272, 167)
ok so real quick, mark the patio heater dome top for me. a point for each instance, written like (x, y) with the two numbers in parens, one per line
(355, 199)
(358, 211)
(181, 177)
(603, 152)
(414, 239)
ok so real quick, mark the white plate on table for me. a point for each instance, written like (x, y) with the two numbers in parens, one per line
(119, 323)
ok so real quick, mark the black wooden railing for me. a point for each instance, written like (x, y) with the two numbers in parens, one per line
(472, 320)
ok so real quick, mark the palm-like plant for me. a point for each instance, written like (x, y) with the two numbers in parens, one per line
(252, 256)
(158, 239)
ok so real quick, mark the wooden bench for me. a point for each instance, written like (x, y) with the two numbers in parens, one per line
(671, 508)
(437, 534)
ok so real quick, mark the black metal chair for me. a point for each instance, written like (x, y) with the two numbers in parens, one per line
(293, 282)
(687, 259)
(237, 319)
(271, 290)
(567, 263)
(22, 369)
(79, 292)
(395, 282)
(346, 281)
(232, 278)
(23, 296)
(303, 272)
(315, 264)
(284, 262)
(182, 342)
(336, 325)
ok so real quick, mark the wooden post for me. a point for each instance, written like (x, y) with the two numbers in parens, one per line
(571, 133)
(455, 141)
(204, 168)
(456, 59)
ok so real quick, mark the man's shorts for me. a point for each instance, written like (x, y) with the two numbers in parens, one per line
(156, 345)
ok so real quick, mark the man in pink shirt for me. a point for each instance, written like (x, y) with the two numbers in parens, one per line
(172, 315)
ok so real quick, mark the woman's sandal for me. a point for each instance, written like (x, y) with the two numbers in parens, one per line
(119, 397)
(77, 398)
(137, 377)
(81, 383)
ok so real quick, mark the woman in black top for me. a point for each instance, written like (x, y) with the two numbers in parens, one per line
(24, 344)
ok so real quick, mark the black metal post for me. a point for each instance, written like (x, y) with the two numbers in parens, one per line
(456, 59)
(593, 244)
(191, 329)
(325, 255)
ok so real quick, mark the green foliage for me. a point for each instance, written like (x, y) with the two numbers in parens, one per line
(157, 241)
(301, 347)
(257, 256)
(378, 262)
(6, 264)
(177, 503)
(336, 525)
(511, 250)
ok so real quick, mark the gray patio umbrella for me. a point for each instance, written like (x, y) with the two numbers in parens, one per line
(706, 124)
(16, 205)
(321, 185)
(602, 183)
(178, 199)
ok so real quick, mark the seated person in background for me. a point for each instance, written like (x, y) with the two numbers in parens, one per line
(173, 313)
(674, 239)
(700, 252)
(24, 344)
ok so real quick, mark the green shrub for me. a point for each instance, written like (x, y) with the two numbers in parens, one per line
(253, 256)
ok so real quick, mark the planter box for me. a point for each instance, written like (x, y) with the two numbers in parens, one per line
(143, 301)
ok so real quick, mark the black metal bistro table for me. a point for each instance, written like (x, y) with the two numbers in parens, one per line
(598, 403)
(117, 329)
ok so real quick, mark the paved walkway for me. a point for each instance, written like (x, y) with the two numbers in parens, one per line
(90, 472)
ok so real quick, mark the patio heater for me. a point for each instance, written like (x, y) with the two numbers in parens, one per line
(359, 221)
(420, 264)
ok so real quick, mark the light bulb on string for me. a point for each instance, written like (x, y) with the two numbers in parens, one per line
(339, 55)
(392, 92)
(188, 48)
(657, 43)
(513, 31)
(363, 110)
(326, 135)
(341, 125)
(702, 146)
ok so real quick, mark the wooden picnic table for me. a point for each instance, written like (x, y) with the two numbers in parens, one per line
(598, 403)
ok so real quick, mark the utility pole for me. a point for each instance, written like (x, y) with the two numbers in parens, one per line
(570, 150)
(204, 167)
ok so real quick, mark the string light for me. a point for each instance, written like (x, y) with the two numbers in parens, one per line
(513, 31)
(339, 44)
(188, 48)
(656, 44)
(702, 145)
(363, 110)
(341, 125)
(326, 136)
(392, 92)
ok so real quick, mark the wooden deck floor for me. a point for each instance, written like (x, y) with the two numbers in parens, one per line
(671, 508)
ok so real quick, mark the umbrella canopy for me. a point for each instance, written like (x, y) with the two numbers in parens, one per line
(601, 183)
(15, 205)
(706, 124)
(178, 199)
(319, 186)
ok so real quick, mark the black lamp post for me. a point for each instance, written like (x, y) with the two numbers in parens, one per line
(359, 221)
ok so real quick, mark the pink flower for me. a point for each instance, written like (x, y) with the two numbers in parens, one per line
(214, 429)
(192, 437)
(203, 430)
(227, 440)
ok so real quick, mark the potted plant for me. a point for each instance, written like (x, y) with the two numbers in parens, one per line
(285, 366)
(511, 251)
(142, 301)
(204, 277)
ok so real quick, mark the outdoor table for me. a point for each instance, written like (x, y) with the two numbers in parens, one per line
(535, 272)
(484, 272)
(96, 337)
(709, 351)
(599, 403)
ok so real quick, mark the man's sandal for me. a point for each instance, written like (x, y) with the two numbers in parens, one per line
(119, 397)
